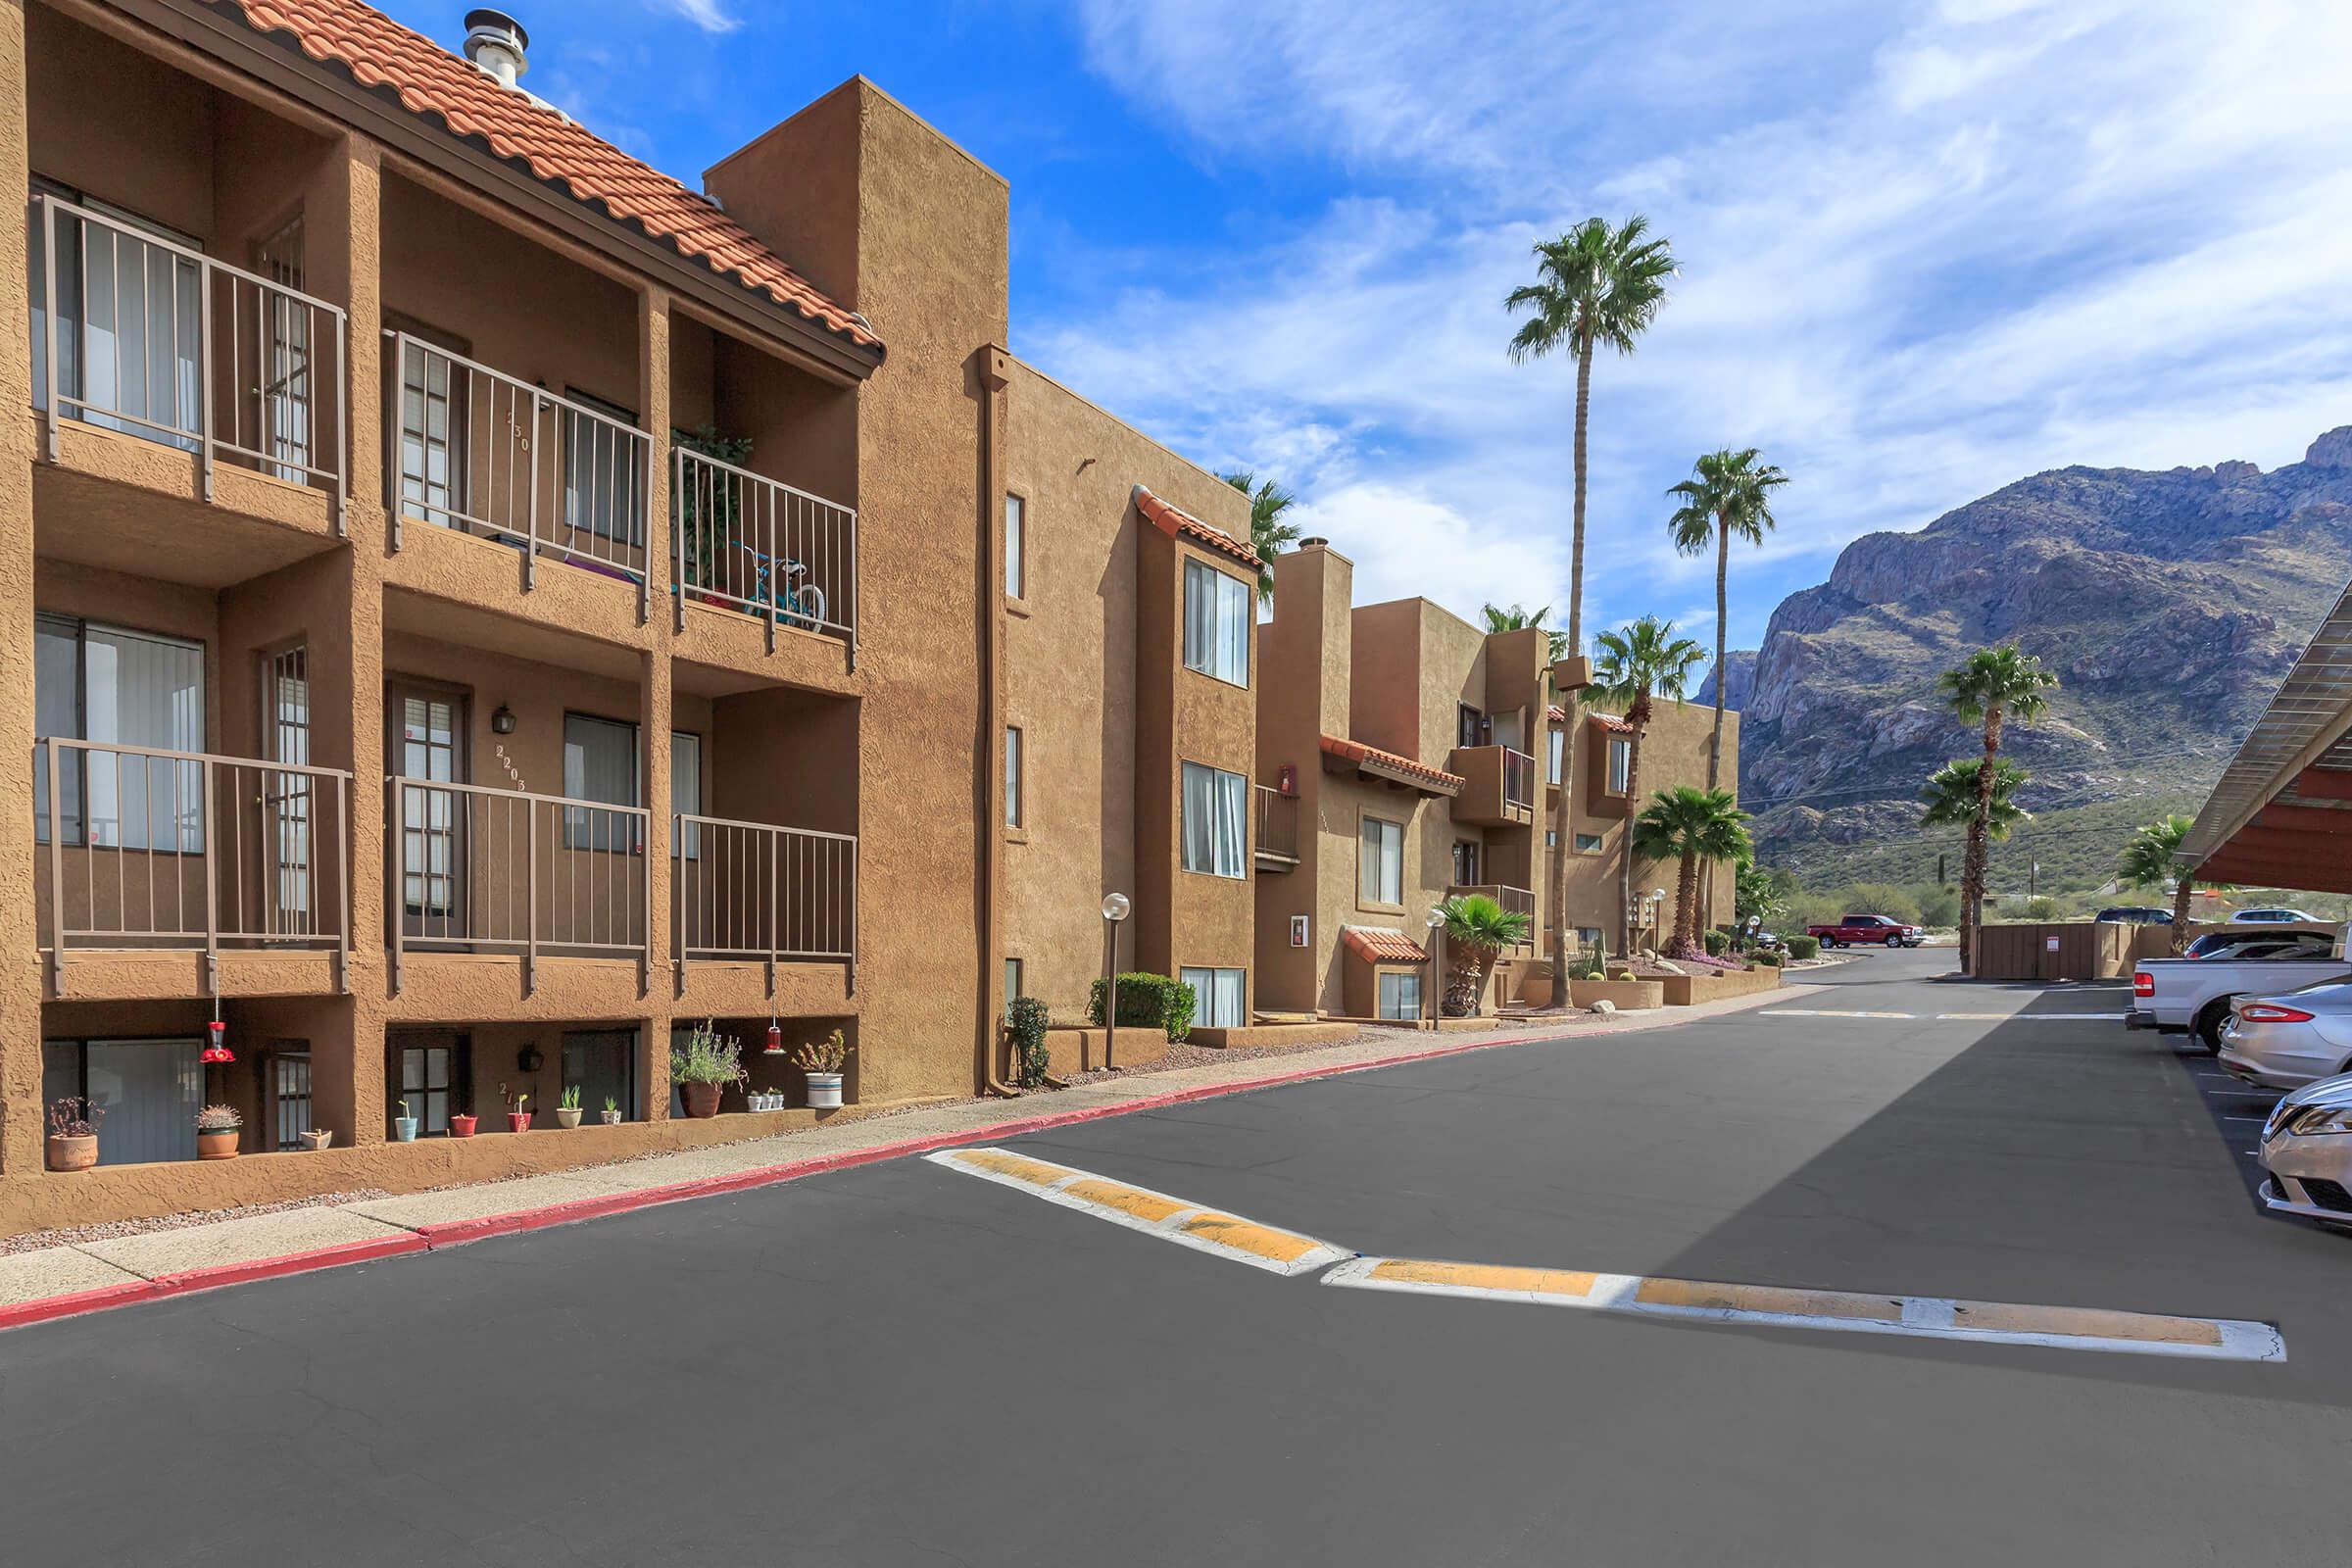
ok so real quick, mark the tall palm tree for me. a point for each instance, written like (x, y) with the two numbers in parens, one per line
(1477, 928)
(1269, 535)
(1644, 660)
(2152, 858)
(1725, 494)
(1991, 685)
(1952, 797)
(1595, 284)
(1689, 826)
(1516, 619)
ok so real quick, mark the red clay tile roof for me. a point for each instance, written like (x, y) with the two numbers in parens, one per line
(428, 80)
(1173, 521)
(1556, 714)
(1610, 721)
(1358, 752)
(1382, 946)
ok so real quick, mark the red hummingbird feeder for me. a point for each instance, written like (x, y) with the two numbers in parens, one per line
(775, 1041)
(216, 1053)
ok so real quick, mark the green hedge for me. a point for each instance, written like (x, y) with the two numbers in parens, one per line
(1717, 941)
(1768, 959)
(1804, 946)
(1025, 1020)
(1147, 1001)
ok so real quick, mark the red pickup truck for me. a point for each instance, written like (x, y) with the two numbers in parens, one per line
(1875, 929)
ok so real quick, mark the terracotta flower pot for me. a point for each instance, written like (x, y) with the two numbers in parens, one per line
(567, 1116)
(518, 1121)
(700, 1099)
(222, 1145)
(461, 1126)
(72, 1153)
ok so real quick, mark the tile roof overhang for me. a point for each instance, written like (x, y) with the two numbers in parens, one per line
(1176, 522)
(1380, 945)
(394, 63)
(1390, 768)
(1610, 722)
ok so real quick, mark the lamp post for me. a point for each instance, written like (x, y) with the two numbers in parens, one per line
(1436, 964)
(1658, 915)
(1115, 911)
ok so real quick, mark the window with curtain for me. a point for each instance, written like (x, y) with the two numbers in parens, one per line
(1216, 623)
(1380, 862)
(1621, 763)
(1559, 748)
(1013, 980)
(129, 316)
(1399, 994)
(1012, 777)
(1215, 822)
(1016, 541)
(1219, 996)
(599, 764)
(149, 1090)
(604, 474)
(685, 793)
(108, 684)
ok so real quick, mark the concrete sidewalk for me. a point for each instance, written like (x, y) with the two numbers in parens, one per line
(91, 1276)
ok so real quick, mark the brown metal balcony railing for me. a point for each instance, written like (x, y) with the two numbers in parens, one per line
(138, 333)
(474, 448)
(187, 851)
(1518, 778)
(486, 870)
(1277, 827)
(749, 543)
(753, 892)
(1514, 901)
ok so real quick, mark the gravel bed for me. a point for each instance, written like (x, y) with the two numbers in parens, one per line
(33, 1241)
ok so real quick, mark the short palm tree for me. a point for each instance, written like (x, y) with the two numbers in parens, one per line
(1644, 660)
(1597, 285)
(1953, 799)
(1727, 494)
(1476, 929)
(2152, 858)
(1269, 535)
(1992, 685)
(1516, 619)
(1693, 827)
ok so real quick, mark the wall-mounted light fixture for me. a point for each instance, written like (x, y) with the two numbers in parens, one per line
(502, 721)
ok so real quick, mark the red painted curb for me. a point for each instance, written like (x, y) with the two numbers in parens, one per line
(107, 1297)
(77, 1303)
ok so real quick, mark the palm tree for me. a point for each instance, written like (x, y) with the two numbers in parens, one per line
(1691, 826)
(1501, 620)
(1952, 799)
(2152, 858)
(1476, 929)
(1992, 684)
(1643, 661)
(1269, 535)
(1595, 286)
(1725, 494)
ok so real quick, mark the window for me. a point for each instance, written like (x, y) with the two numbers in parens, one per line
(1589, 935)
(1215, 822)
(150, 1091)
(130, 314)
(1465, 863)
(1217, 997)
(1469, 726)
(601, 1063)
(1216, 623)
(427, 1074)
(290, 1087)
(1013, 980)
(599, 764)
(1588, 844)
(685, 793)
(1559, 748)
(1401, 993)
(603, 474)
(1621, 763)
(1015, 542)
(1380, 862)
(106, 684)
(1012, 777)
(1552, 840)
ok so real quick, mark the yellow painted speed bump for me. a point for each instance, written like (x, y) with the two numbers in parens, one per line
(1139, 1208)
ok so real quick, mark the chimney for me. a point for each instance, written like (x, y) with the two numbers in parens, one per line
(495, 42)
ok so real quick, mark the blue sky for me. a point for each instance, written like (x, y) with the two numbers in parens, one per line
(1927, 247)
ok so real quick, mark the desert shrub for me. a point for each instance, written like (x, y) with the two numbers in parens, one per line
(1147, 1001)
(1025, 1020)
(1768, 959)
(1718, 942)
(1804, 946)
(1939, 906)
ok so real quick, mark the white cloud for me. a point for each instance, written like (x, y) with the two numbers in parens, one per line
(708, 14)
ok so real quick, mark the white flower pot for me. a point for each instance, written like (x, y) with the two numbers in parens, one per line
(824, 1091)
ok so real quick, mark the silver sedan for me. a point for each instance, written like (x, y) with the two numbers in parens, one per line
(2307, 1147)
(2288, 1041)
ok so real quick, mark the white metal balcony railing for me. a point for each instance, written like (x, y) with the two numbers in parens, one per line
(749, 543)
(188, 851)
(753, 892)
(476, 869)
(138, 333)
(477, 450)
(1518, 778)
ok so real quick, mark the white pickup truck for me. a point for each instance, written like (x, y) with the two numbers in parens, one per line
(2192, 995)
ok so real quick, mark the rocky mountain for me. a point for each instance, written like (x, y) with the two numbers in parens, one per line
(2169, 604)
(1740, 678)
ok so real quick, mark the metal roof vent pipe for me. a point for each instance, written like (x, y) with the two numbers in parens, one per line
(495, 42)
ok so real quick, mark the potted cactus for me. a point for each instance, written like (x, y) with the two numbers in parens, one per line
(568, 1108)
(216, 1131)
(611, 1111)
(703, 1066)
(73, 1142)
(318, 1138)
(518, 1111)
(404, 1125)
(823, 1061)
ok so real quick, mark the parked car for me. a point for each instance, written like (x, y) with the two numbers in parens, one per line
(2192, 995)
(2135, 914)
(2277, 916)
(2292, 1038)
(1875, 929)
(2259, 944)
(2307, 1147)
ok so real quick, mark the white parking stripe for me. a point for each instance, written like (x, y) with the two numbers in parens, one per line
(1827, 1012)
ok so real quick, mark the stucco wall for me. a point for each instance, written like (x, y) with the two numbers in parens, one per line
(1674, 753)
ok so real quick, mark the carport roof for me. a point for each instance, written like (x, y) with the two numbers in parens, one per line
(2281, 813)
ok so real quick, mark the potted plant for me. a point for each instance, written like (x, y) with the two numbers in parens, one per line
(823, 1061)
(519, 1112)
(404, 1125)
(72, 1133)
(460, 1124)
(318, 1138)
(611, 1111)
(216, 1130)
(568, 1108)
(703, 1067)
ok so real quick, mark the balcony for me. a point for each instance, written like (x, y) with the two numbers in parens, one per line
(188, 852)
(1498, 788)
(138, 335)
(1514, 901)
(1275, 831)
(759, 547)
(757, 893)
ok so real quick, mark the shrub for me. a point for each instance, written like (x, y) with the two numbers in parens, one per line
(1804, 946)
(1717, 941)
(1025, 1021)
(2042, 907)
(707, 1057)
(1938, 906)
(1769, 959)
(1147, 1001)
(829, 1055)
